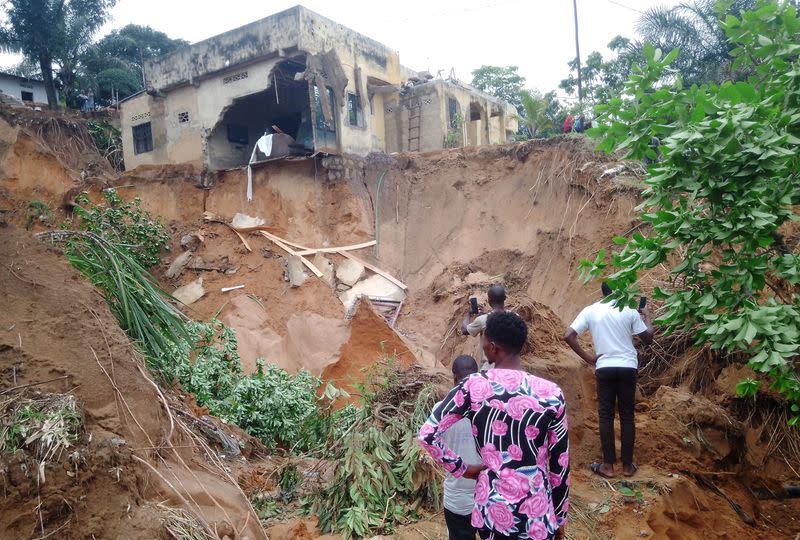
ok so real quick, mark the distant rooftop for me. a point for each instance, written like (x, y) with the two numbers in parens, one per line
(20, 78)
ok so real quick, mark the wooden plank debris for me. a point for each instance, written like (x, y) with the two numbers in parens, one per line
(351, 247)
(396, 314)
(280, 243)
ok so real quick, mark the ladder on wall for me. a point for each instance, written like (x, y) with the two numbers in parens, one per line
(414, 124)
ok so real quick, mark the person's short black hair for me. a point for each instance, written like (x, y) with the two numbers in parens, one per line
(464, 366)
(606, 288)
(507, 330)
(496, 294)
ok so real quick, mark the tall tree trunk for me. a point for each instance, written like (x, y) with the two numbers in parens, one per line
(46, 65)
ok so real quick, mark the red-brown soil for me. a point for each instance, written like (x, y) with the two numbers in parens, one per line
(452, 223)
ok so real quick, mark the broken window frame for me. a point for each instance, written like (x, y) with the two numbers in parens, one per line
(320, 122)
(326, 137)
(355, 114)
(142, 138)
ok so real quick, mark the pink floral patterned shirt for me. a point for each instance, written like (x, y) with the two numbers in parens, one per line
(519, 423)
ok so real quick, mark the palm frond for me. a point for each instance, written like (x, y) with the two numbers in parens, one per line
(142, 308)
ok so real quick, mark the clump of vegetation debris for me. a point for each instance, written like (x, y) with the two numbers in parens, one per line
(44, 424)
(108, 140)
(380, 478)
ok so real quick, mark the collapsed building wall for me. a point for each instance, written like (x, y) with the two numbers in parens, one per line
(202, 103)
(191, 90)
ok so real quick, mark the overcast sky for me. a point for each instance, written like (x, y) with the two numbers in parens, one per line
(536, 35)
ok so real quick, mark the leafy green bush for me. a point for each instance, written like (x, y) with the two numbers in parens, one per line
(118, 241)
(278, 408)
(125, 224)
(717, 199)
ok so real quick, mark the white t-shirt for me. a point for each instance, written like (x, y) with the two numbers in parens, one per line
(459, 493)
(611, 331)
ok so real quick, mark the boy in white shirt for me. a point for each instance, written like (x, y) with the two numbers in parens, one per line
(616, 368)
(459, 493)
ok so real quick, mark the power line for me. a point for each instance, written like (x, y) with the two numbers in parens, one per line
(624, 6)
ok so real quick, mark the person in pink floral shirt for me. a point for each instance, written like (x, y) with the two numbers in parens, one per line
(519, 422)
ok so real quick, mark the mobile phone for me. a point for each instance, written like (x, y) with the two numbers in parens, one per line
(642, 302)
(473, 305)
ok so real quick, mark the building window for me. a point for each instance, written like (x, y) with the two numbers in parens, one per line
(453, 112)
(235, 77)
(27, 96)
(355, 114)
(142, 138)
(183, 117)
(237, 134)
(474, 112)
(140, 116)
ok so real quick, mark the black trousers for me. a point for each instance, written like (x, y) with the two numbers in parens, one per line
(616, 388)
(459, 527)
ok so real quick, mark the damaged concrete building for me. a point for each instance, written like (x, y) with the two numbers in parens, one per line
(320, 87)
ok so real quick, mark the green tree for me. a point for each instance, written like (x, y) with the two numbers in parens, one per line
(501, 82)
(602, 78)
(718, 197)
(116, 79)
(49, 31)
(695, 29)
(126, 50)
(535, 112)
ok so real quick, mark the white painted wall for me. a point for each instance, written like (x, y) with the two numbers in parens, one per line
(14, 88)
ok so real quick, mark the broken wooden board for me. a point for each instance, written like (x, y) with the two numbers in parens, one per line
(375, 269)
(351, 247)
(280, 243)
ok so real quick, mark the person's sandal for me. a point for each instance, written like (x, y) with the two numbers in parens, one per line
(635, 468)
(595, 468)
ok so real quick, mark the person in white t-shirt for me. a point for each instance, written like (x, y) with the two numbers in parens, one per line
(459, 493)
(616, 368)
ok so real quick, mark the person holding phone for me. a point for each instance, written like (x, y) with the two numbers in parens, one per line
(475, 322)
(616, 368)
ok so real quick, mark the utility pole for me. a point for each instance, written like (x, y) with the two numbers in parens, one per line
(577, 51)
